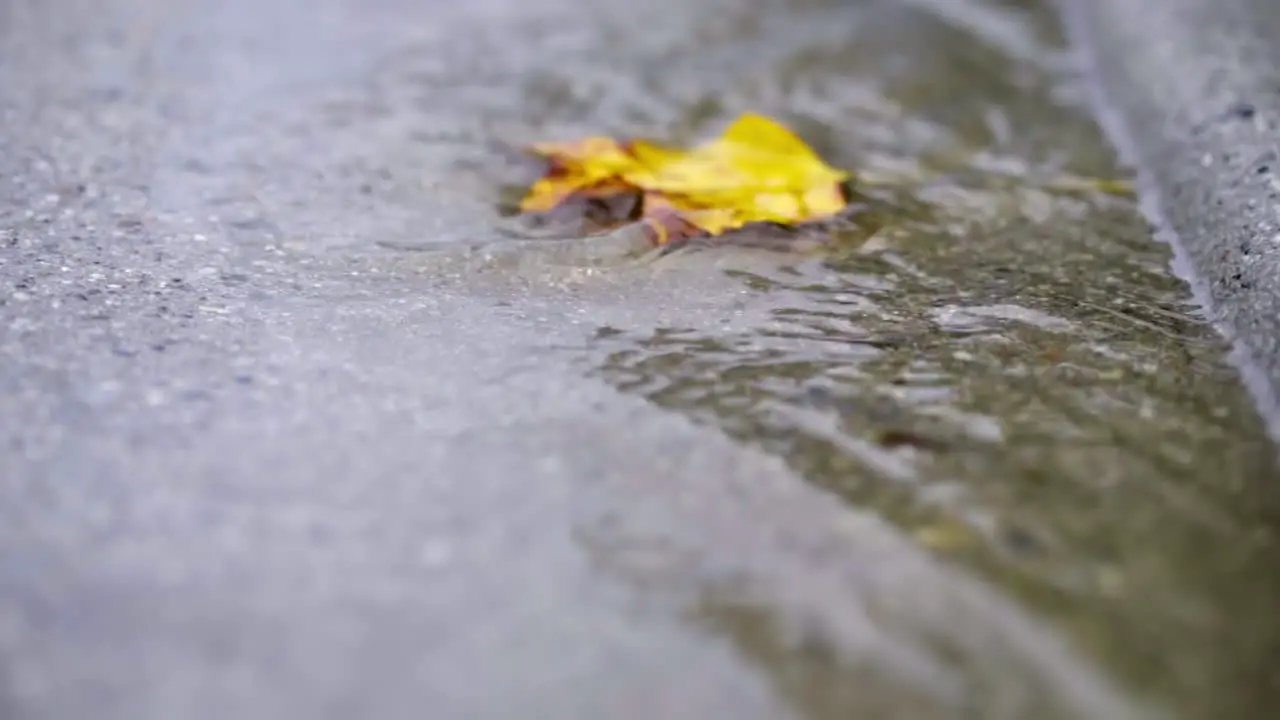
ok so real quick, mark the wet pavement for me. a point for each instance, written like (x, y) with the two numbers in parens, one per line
(296, 423)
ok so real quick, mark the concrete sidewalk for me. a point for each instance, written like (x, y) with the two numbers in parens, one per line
(1189, 91)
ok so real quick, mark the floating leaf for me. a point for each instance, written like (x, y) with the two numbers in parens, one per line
(755, 171)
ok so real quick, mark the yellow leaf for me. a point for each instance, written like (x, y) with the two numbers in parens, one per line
(585, 168)
(754, 154)
(549, 192)
(755, 171)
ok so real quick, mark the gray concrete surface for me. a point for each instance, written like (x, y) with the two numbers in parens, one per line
(1188, 92)
(252, 468)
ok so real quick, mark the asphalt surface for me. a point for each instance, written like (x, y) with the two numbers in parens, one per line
(251, 467)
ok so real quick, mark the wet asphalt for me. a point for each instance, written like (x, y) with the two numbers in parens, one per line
(253, 466)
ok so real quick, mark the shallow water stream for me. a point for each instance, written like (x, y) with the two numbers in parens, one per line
(1003, 367)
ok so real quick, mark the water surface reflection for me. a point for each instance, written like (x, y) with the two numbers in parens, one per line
(1005, 367)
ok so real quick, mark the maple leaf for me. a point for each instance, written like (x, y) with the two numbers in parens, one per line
(755, 171)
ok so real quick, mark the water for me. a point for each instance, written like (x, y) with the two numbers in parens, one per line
(1003, 367)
